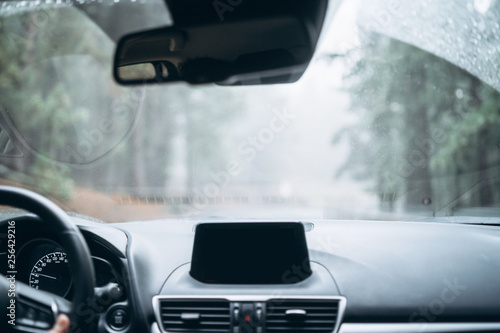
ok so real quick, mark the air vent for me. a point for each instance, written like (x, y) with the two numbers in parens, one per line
(195, 315)
(289, 315)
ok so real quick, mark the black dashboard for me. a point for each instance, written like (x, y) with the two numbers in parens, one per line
(364, 277)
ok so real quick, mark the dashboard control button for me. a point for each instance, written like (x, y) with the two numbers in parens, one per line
(118, 318)
(34, 315)
(246, 321)
(46, 317)
(41, 325)
(258, 314)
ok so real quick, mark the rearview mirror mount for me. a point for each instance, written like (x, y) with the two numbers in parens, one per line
(270, 46)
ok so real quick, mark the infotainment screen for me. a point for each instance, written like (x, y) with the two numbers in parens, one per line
(250, 253)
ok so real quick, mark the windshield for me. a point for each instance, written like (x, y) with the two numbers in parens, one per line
(396, 118)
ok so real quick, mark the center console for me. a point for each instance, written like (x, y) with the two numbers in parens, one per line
(249, 278)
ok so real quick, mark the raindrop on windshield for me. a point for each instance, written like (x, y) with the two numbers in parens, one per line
(426, 201)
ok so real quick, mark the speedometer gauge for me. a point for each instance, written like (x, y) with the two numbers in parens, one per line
(51, 273)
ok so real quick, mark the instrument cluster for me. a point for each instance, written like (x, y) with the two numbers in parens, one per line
(43, 264)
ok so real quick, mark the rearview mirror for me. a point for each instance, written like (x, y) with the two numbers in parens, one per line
(147, 71)
(251, 48)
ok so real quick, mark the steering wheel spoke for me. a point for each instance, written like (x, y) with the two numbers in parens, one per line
(31, 310)
(37, 310)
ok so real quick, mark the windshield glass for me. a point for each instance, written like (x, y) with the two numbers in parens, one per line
(397, 117)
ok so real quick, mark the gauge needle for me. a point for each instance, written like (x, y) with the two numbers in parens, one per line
(47, 276)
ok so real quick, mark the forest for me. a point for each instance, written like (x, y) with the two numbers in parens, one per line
(64, 122)
(428, 132)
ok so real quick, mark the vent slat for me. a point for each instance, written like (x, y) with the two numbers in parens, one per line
(306, 321)
(297, 329)
(215, 316)
(275, 309)
(279, 315)
(180, 322)
(187, 308)
(320, 317)
(200, 330)
(204, 315)
(312, 308)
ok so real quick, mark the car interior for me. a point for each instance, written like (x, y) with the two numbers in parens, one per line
(434, 270)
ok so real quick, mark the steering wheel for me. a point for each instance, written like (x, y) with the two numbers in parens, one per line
(36, 310)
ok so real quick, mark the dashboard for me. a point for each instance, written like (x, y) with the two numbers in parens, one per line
(360, 277)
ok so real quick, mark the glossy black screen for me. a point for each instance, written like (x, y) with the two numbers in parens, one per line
(250, 253)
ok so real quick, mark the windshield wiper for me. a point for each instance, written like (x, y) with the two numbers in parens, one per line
(453, 207)
(476, 220)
